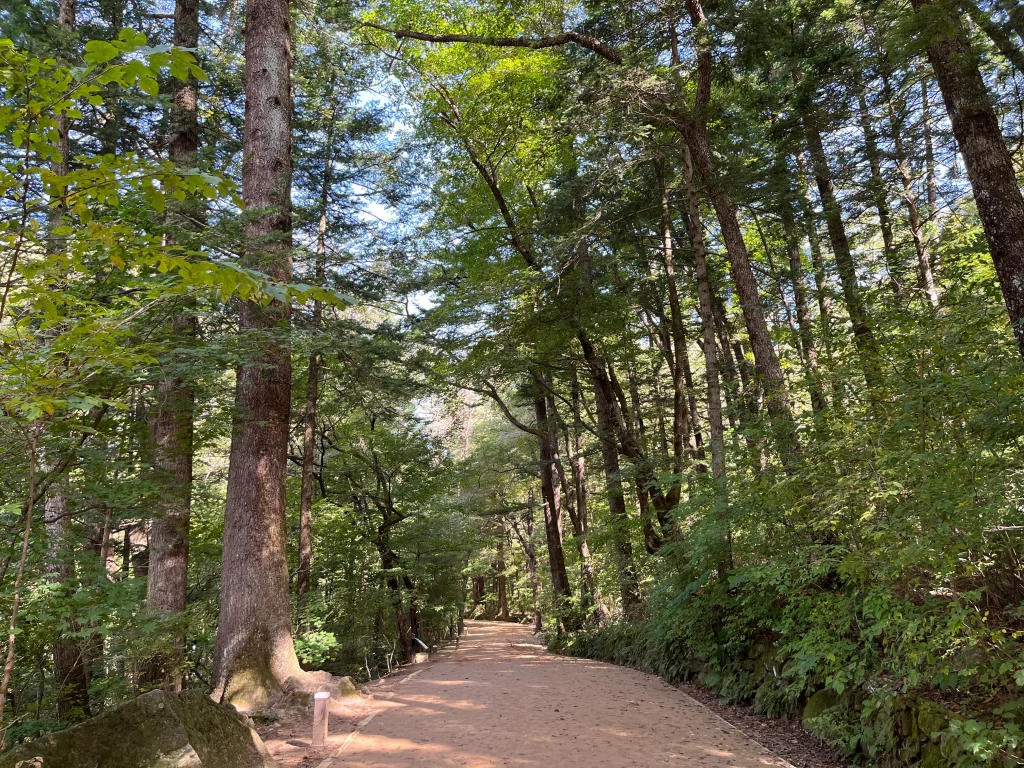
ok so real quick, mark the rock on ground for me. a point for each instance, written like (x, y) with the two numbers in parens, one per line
(155, 730)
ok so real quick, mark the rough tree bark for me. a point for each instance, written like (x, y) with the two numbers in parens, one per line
(255, 655)
(171, 425)
(989, 165)
(550, 495)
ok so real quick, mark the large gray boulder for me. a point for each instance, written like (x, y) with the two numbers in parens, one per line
(155, 730)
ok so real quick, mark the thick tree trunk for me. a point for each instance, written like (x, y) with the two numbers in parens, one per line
(551, 497)
(255, 654)
(167, 587)
(989, 165)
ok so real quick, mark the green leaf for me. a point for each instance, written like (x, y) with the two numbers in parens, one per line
(100, 52)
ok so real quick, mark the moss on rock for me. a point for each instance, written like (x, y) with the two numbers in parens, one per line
(819, 703)
(932, 757)
(931, 720)
(155, 730)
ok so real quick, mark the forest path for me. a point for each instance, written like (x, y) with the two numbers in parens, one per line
(502, 700)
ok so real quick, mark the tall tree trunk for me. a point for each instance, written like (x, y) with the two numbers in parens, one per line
(303, 576)
(70, 675)
(551, 497)
(167, 586)
(766, 361)
(530, 551)
(809, 220)
(803, 311)
(705, 305)
(305, 564)
(863, 336)
(502, 580)
(171, 426)
(989, 165)
(255, 655)
(929, 152)
(996, 33)
(727, 365)
(878, 188)
(629, 587)
(686, 433)
(575, 495)
(694, 132)
(926, 280)
(581, 498)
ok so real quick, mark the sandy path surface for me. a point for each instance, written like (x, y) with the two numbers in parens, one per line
(502, 700)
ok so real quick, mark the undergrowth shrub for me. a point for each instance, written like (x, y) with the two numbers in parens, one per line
(880, 566)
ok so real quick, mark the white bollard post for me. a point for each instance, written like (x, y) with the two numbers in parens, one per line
(320, 702)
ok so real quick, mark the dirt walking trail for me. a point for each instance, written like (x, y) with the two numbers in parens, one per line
(502, 700)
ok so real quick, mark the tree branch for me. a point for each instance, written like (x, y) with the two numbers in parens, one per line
(490, 391)
(534, 43)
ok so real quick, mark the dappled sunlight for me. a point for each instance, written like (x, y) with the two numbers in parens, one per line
(489, 704)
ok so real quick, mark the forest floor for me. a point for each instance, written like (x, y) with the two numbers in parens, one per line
(501, 699)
